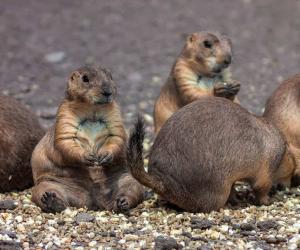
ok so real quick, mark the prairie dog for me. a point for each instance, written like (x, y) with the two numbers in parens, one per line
(201, 69)
(195, 167)
(20, 131)
(282, 108)
(81, 160)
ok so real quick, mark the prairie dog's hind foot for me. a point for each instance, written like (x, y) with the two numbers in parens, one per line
(52, 203)
(258, 200)
(122, 204)
(235, 197)
(295, 180)
(264, 200)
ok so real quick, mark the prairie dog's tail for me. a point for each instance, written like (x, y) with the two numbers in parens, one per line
(135, 161)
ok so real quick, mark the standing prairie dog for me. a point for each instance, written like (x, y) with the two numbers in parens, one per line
(201, 69)
(195, 167)
(283, 109)
(20, 131)
(81, 161)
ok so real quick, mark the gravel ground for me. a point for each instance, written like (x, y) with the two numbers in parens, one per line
(153, 225)
(42, 42)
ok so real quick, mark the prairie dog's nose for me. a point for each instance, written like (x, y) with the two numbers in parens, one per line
(107, 89)
(227, 60)
(107, 93)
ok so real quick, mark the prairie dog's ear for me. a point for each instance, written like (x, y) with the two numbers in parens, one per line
(71, 86)
(228, 40)
(108, 73)
(223, 36)
(74, 75)
(192, 37)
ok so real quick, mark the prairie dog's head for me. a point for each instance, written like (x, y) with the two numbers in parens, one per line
(208, 53)
(92, 85)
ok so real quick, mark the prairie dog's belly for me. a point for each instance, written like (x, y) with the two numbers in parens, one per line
(92, 134)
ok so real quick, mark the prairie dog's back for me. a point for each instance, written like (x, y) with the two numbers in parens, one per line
(14, 115)
(204, 148)
(283, 109)
(284, 98)
(18, 127)
(20, 131)
(211, 141)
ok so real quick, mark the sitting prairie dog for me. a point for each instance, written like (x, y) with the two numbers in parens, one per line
(283, 110)
(81, 161)
(201, 69)
(20, 131)
(195, 167)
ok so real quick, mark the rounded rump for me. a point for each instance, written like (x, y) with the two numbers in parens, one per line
(20, 131)
(208, 145)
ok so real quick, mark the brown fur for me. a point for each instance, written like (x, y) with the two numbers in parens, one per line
(197, 72)
(195, 166)
(20, 131)
(283, 109)
(81, 161)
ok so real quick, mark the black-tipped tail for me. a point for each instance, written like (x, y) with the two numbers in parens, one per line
(135, 159)
(135, 144)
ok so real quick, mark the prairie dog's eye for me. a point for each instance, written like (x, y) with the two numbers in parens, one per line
(207, 44)
(85, 78)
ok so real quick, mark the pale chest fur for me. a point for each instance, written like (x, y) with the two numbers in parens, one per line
(202, 82)
(208, 83)
(92, 131)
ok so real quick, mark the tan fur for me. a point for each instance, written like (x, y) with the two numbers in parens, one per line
(200, 153)
(81, 161)
(20, 131)
(283, 109)
(78, 146)
(197, 72)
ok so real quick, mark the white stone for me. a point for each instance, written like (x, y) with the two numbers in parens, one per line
(55, 57)
(93, 243)
(51, 222)
(224, 228)
(122, 241)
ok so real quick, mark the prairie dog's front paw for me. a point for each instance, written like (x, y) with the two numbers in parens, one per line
(227, 89)
(91, 160)
(105, 158)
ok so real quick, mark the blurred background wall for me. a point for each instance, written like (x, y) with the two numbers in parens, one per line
(43, 41)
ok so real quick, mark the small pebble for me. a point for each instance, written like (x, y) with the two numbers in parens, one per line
(19, 218)
(8, 204)
(164, 243)
(93, 243)
(84, 217)
(21, 228)
(247, 226)
(131, 237)
(201, 223)
(267, 225)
